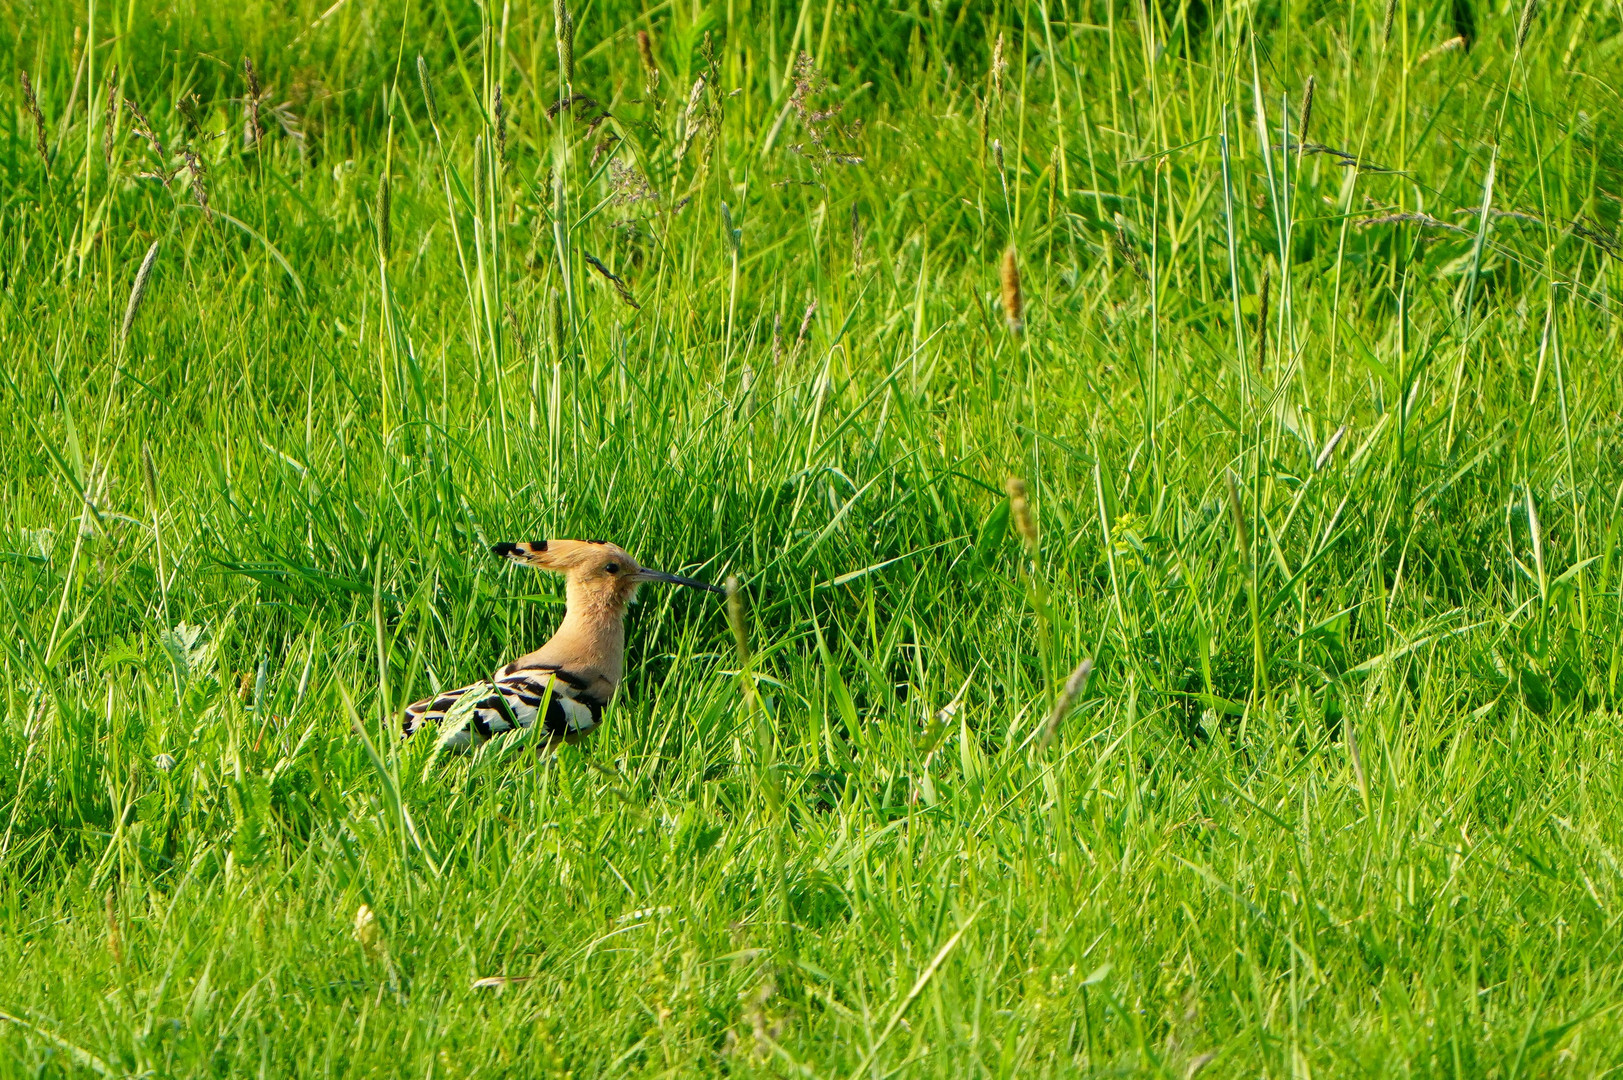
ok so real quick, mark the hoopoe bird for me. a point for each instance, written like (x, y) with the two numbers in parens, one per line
(576, 672)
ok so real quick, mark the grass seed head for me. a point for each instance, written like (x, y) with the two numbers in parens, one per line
(1529, 9)
(427, 85)
(736, 618)
(143, 128)
(1000, 66)
(556, 324)
(1020, 509)
(1329, 448)
(856, 239)
(385, 230)
(1453, 43)
(1072, 690)
(1128, 249)
(1014, 302)
(1391, 16)
(149, 477)
(138, 291)
(31, 103)
(1237, 514)
(650, 70)
(189, 109)
(194, 170)
(500, 113)
(110, 117)
(1307, 117)
(805, 322)
(115, 940)
(564, 30)
(252, 130)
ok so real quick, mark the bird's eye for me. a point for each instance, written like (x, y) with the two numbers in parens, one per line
(612, 568)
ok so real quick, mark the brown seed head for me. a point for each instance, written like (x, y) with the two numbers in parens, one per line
(143, 128)
(555, 324)
(1307, 118)
(1014, 304)
(194, 169)
(31, 103)
(735, 618)
(385, 229)
(1020, 510)
(110, 117)
(252, 131)
(650, 70)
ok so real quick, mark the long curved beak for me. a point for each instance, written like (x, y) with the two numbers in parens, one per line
(646, 574)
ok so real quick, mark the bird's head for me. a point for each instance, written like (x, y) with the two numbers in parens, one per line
(596, 572)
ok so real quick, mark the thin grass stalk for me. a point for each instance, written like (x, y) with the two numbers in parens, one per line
(447, 176)
(1031, 573)
(1483, 219)
(1248, 561)
(149, 483)
(1232, 246)
(389, 379)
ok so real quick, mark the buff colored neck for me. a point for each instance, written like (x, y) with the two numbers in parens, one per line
(593, 630)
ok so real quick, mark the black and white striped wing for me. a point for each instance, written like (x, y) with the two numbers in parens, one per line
(514, 700)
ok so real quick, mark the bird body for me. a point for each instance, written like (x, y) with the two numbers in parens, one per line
(567, 682)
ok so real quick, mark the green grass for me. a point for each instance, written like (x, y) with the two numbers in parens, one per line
(1331, 498)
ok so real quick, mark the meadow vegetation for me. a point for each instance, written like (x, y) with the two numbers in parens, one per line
(1261, 355)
